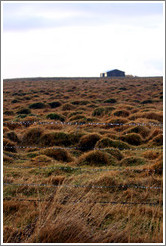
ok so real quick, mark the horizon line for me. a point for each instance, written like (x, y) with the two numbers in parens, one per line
(45, 77)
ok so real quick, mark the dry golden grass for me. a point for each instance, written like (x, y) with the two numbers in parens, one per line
(86, 174)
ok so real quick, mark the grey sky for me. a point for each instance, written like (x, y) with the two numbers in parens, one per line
(135, 30)
(25, 16)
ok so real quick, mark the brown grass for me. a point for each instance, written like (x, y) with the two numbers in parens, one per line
(9, 145)
(88, 142)
(32, 136)
(78, 209)
(59, 154)
(94, 158)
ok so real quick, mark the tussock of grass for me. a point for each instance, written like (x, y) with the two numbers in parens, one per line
(9, 145)
(15, 101)
(80, 102)
(75, 113)
(98, 112)
(115, 153)
(147, 101)
(150, 155)
(13, 136)
(132, 161)
(154, 134)
(54, 104)
(111, 100)
(121, 113)
(107, 142)
(158, 165)
(59, 154)
(108, 110)
(157, 141)
(37, 105)
(148, 115)
(123, 88)
(32, 136)
(9, 112)
(11, 207)
(88, 142)
(101, 111)
(65, 229)
(142, 130)
(93, 119)
(22, 116)
(67, 106)
(78, 118)
(54, 138)
(59, 138)
(24, 111)
(133, 139)
(108, 180)
(54, 127)
(118, 120)
(7, 159)
(153, 116)
(94, 158)
(40, 159)
(54, 116)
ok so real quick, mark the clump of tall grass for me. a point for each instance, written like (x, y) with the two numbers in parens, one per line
(153, 116)
(59, 154)
(13, 136)
(68, 106)
(80, 102)
(132, 161)
(38, 105)
(94, 158)
(158, 165)
(110, 100)
(118, 120)
(150, 155)
(87, 142)
(9, 145)
(59, 138)
(157, 141)
(78, 118)
(24, 111)
(9, 112)
(67, 228)
(15, 101)
(148, 115)
(147, 101)
(54, 116)
(107, 142)
(98, 112)
(75, 113)
(142, 130)
(7, 159)
(54, 104)
(32, 136)
(115, 153)
(101, 111)
(133, 139)
(121, 113)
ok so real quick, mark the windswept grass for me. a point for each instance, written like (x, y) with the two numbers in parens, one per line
(69, 177)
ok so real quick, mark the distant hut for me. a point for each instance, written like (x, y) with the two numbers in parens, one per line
(113, 73)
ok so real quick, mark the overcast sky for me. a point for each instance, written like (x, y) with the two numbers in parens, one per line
(49, 39)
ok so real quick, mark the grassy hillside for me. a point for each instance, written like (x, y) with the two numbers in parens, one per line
(83, 160)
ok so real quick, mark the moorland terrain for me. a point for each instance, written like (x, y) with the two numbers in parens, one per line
(83, 160)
